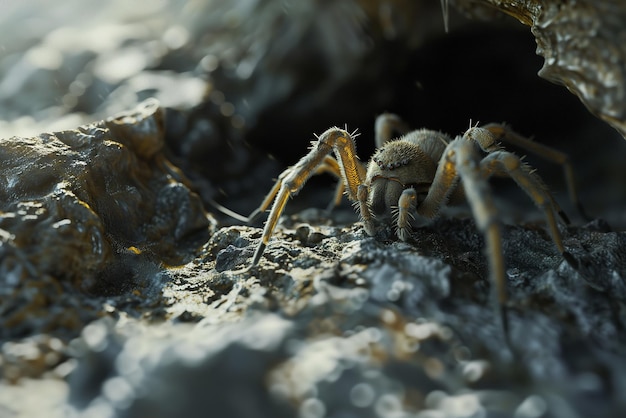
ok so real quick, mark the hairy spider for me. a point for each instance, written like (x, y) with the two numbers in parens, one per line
(411, 178)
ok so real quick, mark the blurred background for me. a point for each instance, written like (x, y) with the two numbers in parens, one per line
(248, 82)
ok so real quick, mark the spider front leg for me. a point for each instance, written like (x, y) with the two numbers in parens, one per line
(474, 174)
(407, 204)
(367, 218)
(403, 214)
(463, 156)
(293, 179)
(488, 138)
(511, 165)
(504, 163)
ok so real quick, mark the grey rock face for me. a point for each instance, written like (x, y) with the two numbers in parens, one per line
(89, 210)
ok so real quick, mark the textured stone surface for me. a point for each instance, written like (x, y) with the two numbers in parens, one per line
(583, 44)
(354, 326)
(96, 210)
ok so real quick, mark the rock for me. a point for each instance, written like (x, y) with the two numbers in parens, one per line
(94, 210)
(230, 360)
(582, 46)
(353, 326)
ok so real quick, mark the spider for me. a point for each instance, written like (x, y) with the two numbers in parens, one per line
(409, 179)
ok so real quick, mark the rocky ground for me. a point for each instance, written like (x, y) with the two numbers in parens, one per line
(335, 323)
(124, 292)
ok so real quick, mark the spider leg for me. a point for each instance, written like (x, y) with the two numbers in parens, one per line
(406, 207)
(510, 164)
(501, 132)
(262, 208)
(466, 159)
(367, 218)
(269, 198)
(293, 179)
(444, 184)
(330, 165)
(386, 125)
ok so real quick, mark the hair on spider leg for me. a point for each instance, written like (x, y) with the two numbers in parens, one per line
(395, 213)
(474, 125)
(355, 205)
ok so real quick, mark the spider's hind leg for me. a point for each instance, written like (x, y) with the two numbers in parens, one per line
(386, 125)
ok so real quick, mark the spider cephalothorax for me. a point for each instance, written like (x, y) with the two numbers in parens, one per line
(411, 178)
(400, 165)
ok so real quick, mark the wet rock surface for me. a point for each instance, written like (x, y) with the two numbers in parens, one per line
(121, 296)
